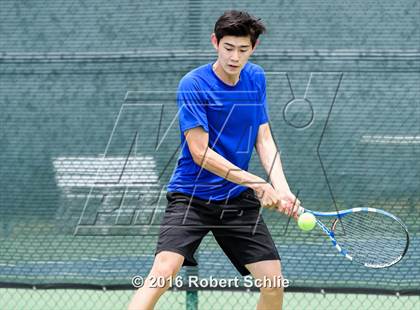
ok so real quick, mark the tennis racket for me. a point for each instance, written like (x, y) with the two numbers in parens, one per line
(371, 237)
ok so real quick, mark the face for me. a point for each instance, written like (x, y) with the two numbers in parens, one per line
(233, 53)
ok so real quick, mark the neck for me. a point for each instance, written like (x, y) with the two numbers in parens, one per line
(229, 79)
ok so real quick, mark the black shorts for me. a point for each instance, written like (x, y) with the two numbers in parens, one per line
(236, 224)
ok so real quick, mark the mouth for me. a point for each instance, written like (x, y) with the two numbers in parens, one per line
(233, 67)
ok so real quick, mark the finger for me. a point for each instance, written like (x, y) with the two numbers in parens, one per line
(269, 204)
(296, 208)
(291, 209)
(286, 208)
(282, 210)
(296, 212)
(281, 206)
(290, 205)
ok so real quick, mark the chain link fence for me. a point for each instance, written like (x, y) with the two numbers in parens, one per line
(89, 139)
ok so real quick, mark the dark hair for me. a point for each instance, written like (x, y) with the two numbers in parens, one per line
(240, 24)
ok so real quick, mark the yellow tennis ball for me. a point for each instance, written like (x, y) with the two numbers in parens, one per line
(306, 221)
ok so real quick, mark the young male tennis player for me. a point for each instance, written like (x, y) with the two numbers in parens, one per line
(222, 116)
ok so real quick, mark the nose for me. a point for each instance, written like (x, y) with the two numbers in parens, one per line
(235, 56)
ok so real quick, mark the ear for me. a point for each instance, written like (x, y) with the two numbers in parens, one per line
(214, 41)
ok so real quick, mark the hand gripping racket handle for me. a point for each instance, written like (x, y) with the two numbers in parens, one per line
(301, 210)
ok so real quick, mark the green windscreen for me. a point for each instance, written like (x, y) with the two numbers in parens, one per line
(89, 134)
(87, 153)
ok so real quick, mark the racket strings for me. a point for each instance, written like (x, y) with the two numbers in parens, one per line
(371, 243)
(371, 238)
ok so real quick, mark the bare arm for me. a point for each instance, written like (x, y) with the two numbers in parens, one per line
(270, 160)
(210, 160)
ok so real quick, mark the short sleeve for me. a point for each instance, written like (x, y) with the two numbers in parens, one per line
(263, 99)
(191, 105)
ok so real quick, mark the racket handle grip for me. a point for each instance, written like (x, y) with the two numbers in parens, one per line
(301, 210)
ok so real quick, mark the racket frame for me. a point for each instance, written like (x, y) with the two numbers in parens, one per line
(338, 215)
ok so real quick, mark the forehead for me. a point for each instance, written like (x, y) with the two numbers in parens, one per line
(236, 41)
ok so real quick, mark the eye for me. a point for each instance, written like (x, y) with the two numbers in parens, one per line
(228, 49)
(244, 51)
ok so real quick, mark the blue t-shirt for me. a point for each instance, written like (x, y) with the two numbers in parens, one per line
(230, 114)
